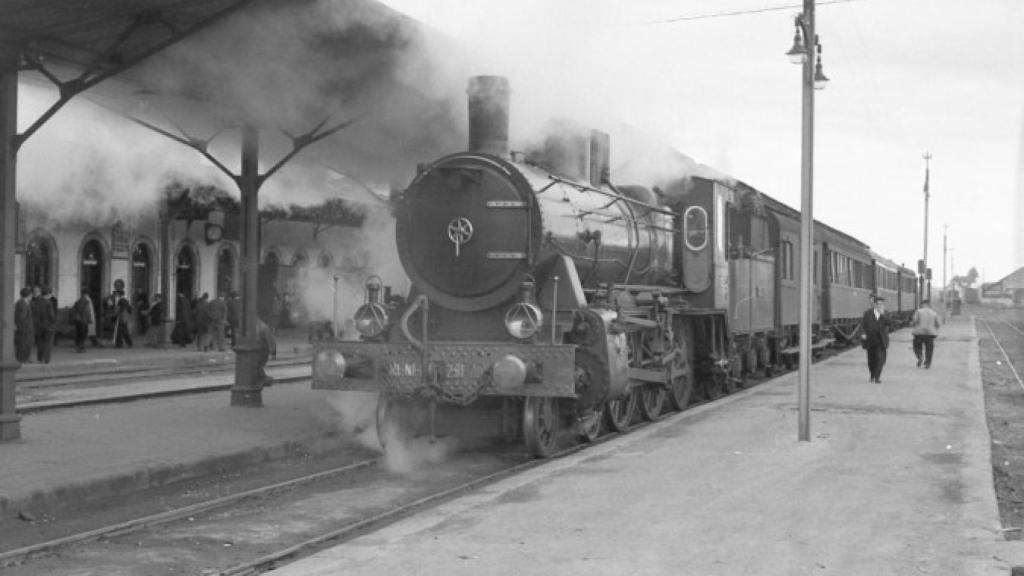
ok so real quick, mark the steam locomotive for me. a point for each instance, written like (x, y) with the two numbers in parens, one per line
(547, 301)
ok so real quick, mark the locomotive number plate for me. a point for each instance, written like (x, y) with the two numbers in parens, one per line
(443, 370)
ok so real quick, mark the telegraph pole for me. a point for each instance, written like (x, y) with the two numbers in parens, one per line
(942, 297)
(926, 283)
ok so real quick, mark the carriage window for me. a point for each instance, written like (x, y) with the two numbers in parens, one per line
(695, 228)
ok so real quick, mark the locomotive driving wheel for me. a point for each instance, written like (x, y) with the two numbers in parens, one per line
(650, 396)
(651, 399)
(680, 382)
(541, 425)
(619, 412)
(590, 425)
(400, 419)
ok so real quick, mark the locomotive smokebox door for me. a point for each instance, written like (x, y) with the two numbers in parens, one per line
(468, 232)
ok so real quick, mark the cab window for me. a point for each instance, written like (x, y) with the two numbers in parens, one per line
(695, 228)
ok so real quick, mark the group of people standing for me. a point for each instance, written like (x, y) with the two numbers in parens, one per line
(209, 323)
(35, 320)
(875, 326)
(118, 314)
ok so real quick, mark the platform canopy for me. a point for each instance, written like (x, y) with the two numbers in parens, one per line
(104, 36)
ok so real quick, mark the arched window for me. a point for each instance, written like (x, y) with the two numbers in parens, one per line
(695, 228)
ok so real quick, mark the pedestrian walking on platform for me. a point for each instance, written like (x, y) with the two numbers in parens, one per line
(875, 337)
(925, 327)
(83, 316)
(44, 318)
(24, 328)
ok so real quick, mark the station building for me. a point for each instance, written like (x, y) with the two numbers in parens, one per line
(313, 259)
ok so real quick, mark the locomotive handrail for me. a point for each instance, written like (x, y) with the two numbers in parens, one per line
(419, 301)
(617, 196)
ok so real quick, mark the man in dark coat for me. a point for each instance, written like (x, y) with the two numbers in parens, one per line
(122, 321)
(875, 337)
(202, 316)
(182, 334)
(218, 320)
(44, 317)
(82, 315)
(24, 328)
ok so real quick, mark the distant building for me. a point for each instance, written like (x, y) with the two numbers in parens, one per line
(1013, 285)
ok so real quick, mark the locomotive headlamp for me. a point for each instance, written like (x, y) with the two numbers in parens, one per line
(524, 318)
(371, 319)
(508, 373)
(328, 363)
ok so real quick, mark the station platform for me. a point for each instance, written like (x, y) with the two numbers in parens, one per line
(896, 480)
(97, 451)
(66, 361)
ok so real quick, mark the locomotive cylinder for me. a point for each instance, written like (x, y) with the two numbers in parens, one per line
(488, 98)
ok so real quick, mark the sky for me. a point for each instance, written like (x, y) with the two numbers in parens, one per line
(711, 79)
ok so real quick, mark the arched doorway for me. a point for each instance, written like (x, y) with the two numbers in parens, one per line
(225, 271)
(185, 272)
(91, 271)
(142, 270)
(39, 262)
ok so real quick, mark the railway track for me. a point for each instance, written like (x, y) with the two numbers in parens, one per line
(295, 493)
(365, 475)
(1002, 349)
(141, 384)
(464, 473)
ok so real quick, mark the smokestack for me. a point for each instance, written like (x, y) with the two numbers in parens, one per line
(600, 157)
(488, 114)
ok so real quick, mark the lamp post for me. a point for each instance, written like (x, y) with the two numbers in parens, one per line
(806, 51)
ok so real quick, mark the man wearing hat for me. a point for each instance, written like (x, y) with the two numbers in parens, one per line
(875, 337)
(925, 328)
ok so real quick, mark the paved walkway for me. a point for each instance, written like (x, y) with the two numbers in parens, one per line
(70, 454)
(895, 481)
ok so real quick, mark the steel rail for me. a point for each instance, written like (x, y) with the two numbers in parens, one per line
(1005, 355)
(40, 381)
(14, 556)
(1015, 329)
(45, 406)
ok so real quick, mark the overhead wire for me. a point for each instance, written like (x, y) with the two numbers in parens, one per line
(742, 12)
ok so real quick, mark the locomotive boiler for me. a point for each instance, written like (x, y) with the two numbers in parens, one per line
(543, 297)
